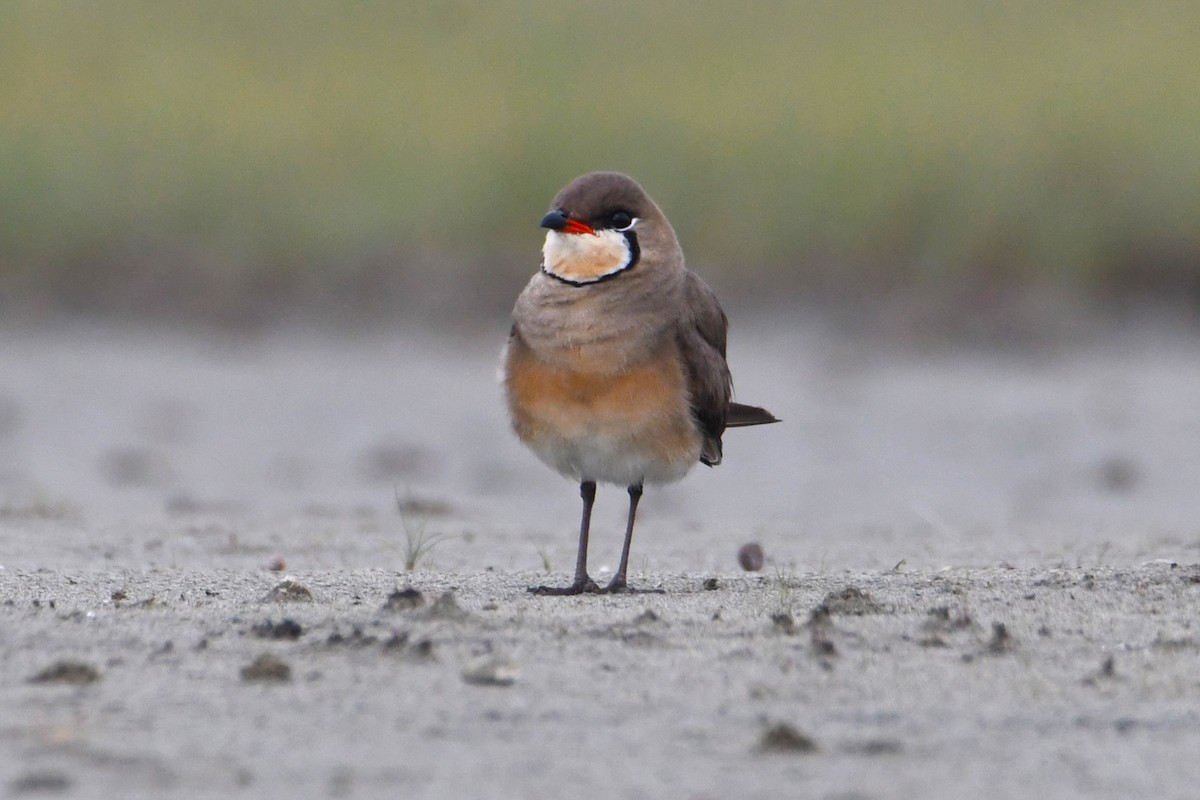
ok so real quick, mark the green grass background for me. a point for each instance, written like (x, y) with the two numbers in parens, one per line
(208, 152)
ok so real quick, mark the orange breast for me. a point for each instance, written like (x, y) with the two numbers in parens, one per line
(642, 410)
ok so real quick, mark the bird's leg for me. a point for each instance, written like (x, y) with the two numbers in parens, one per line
(617, 584)
(582, 583)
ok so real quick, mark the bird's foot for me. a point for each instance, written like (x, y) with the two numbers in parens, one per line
(586, 586)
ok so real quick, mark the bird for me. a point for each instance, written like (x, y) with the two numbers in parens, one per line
(614, 370)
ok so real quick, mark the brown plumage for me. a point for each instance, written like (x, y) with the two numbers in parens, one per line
(615, 368)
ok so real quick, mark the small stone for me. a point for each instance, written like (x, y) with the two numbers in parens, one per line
(356, 638)
(70, 672)
(942, 620)
(267, 668)
(284, 629)
(288, 591)
(852, 601)
(751, 557)
(490, 670)
(397, 641)
(404, 600)
(711, 584)
(277, 564)
(783, 738)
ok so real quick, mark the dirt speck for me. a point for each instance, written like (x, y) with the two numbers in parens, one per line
(820, 631)
(40, 783)
(397, 641)
(1001, 641)
(751, 557)
(1107, 672)
(288, 591)
(70, 672)
(852, 601)
(646, 617)
(356, 638)
(711, 584)
(422, 648)
(267, 668)
(943, 619)
(404, 600)
(284, 629)
(784, 738)
(783, 622)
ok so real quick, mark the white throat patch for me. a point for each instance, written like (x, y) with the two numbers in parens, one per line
(585, 257)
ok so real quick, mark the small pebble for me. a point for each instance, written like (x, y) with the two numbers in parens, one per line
(490, 670)
(852, 601)
(72, 672)
(284, 629)
(751, 557)
(288, 591)
(404, 600)
(783, 738)
(267, 668)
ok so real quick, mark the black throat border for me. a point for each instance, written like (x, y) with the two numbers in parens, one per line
(635, 255)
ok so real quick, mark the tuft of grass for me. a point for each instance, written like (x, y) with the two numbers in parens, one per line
(544, 555)
(785, 590)
(418, 543)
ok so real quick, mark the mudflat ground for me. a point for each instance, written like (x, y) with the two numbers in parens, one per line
(982, 575)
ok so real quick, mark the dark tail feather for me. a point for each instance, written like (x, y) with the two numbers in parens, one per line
(739, 415)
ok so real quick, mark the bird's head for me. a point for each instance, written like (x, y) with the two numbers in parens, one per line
(599, 226)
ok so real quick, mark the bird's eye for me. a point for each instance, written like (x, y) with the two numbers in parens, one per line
(621, 221)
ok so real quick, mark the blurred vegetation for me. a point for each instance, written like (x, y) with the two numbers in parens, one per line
(207, 153)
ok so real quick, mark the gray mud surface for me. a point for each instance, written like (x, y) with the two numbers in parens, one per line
(982, 576)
